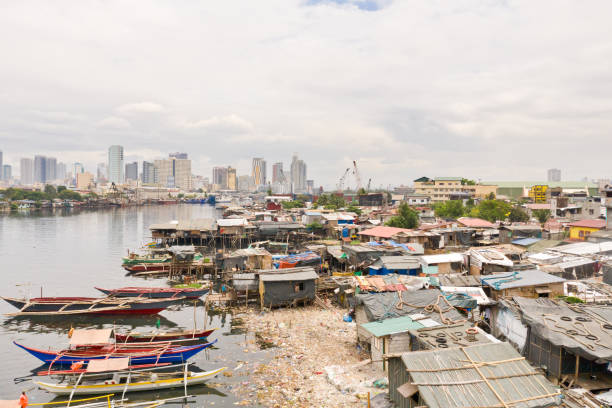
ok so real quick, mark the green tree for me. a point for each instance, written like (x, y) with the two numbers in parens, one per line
(314, 226)
(50, 192)
(269, 191)
(353, 209)
(362, 191)
(491, 196)
(466, 182)
(60, 189)
(292, 204)
(450, 209)
(331, 201)
(541, 215)
(492, 210)
(517, 214)
(406, 218)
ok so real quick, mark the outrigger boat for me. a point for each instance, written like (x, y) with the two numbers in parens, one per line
(87, 345)
(159, 258)
(101, 401)
(104, 376)
(44, 306)
(135, 337)
(156, 293)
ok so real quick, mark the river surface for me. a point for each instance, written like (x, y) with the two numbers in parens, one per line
(67, 253)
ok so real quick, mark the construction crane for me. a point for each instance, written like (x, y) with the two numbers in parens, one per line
(357, 175)
(342, 179)
(369, 182)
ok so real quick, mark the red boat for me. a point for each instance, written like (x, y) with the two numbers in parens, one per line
(165, 336)
(155, 293)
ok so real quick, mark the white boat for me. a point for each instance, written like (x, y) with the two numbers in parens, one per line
(98, 381)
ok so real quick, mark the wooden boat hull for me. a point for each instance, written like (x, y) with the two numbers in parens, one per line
(164, 267)
(172, 355)
(151, 385)
(156, 293)
(148, 337)
(74, 305)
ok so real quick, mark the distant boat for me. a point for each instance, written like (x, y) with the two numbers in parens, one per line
(156, 293)
(51, 306)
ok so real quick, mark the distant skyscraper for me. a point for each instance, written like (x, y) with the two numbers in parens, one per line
(220, 177)
(148, 173)
(245, 183)
(277, 173)
(232, 180)
(310, 186)
(173, 172)
(50, 169)
(115, 164)
(258, 171)
(26, 171)
(78, 168)
(7, 172)
(554, 175)
(298, 174)
(40, 166)
(131, 171)
(101, 173)
(178, 155)
(1, 176)
(61, 171)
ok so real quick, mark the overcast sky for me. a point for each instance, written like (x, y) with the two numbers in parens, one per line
(497, 90)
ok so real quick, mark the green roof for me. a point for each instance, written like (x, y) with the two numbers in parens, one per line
(521, 184)
(391, 326)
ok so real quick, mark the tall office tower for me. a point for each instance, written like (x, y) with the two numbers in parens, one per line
(115, 164)
(220, 177)
(78, 168)
(148, 173)
(232, 180)
(298, 174)
(40, 166)
(26, 171)
(245, 183)
(7, 172)
(178, 155)
(101, 173)
(554, 175)
(131, 171)
(310, 186)
(61, 172)
(277, 173)
(258, 171)
(173, 172)
(50, 169)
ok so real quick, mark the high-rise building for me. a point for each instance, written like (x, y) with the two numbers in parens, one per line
(115, 164)
(220, 177)
(101, 173)
(148, 173)
(7, 172)
(277, 173)
(298, 174)
(61, 172)
(26, 171)
(232, 180)
(1, 176)
(50, 169)
(173, 172)
(554, 175)
(310, 186)
(258, 171)
(245, 183)
(40, 167)
(131, 171)
(178, 155)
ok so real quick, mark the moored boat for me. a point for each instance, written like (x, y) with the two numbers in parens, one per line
(135, 337)
(156, 293)
(45, 306)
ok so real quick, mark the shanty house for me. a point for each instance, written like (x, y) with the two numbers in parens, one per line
(580, 230)
(380, 233)
(510, 233)
(404, 265)
(531, 283)
(484, 261)
(442, 263)
(447, 336)
(484, 375)
(248, 259)
(232, 226)
(282, 287)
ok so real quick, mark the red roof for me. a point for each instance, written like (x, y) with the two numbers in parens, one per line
(475, 222)
(382, 232)
(589, 223)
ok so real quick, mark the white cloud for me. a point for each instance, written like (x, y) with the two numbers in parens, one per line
(114, 122)
(231, 123)
(139, 108)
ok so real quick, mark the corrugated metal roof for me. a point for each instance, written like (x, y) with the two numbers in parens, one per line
(598, 223)
(526, 241)
(398, 262)
(382, 231)
(290, 276)
(519, 279)
(232, 222)
(584, 248)
(442, 258)
(475, 222)
(391, 326)
(446, 380)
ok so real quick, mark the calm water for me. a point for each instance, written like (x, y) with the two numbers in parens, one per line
(67, 254)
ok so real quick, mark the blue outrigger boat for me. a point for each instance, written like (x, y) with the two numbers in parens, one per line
(140, 355)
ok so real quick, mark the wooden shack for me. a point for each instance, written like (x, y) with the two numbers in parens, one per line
(286, 287)
(532, 283)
